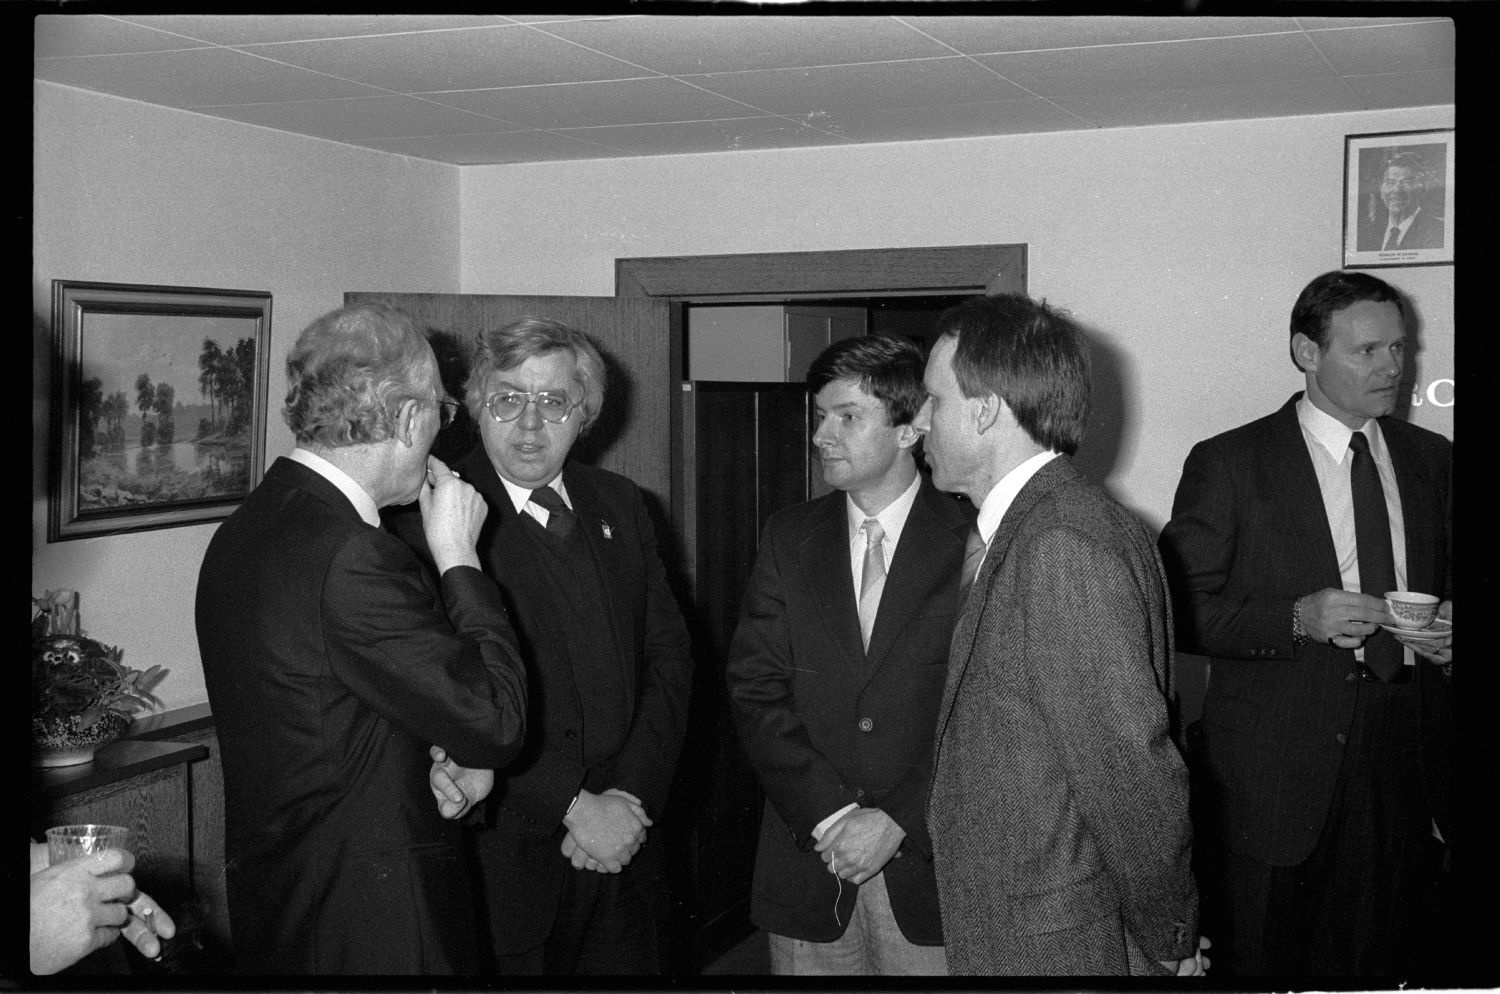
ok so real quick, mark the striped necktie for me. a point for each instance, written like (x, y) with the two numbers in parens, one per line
(872, 577)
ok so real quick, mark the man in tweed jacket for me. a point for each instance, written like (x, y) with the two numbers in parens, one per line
(1058, 813)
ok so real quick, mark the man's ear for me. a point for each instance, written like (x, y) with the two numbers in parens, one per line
(1306, 352)
(406, 423)
(986, 412)
(907, 436)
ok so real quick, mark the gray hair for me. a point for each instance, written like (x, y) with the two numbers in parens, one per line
(351, 370)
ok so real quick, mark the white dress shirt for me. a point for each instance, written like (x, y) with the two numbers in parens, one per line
(1003, 494)
(1328, 444)
(521, 498)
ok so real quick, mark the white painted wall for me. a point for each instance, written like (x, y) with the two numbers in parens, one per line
(1183, 246)
(132, 193)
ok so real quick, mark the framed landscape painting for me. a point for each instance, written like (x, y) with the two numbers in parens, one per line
(158, 405)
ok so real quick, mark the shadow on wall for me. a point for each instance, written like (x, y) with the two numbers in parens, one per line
(1110, 416)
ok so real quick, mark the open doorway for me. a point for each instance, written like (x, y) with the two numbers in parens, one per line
(740, 451)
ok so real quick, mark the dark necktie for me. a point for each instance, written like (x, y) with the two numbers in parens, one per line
(973, 553)
(1377, 563)
(560, 517)
(1392, 236)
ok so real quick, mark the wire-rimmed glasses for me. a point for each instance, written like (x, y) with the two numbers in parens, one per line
(554, 408)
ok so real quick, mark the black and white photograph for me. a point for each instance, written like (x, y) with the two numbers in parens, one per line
(753, 496)
(1398, 207)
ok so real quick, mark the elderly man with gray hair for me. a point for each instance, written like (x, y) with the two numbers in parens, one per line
(574, 551)
(338, 668)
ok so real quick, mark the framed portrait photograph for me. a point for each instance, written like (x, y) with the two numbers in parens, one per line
(1398, 199)
(158, 405)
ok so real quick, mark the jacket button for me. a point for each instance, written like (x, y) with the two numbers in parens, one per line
(1342, 738)
(570, 734)
(865, 724)
(1349, 678)
(859, 792)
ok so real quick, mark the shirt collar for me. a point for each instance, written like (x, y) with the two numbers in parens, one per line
(519, 496)
(1003, 494)
(892, 518)
(1332, 434)
(362, 501)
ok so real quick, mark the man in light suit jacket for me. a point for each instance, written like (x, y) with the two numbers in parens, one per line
(334, 663)
(574, 552)
(1324, 777)
(1059, 813)
(834, 676)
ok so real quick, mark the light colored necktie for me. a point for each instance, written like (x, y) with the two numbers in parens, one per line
(973, 553)
(872, 577)
(1392, 236)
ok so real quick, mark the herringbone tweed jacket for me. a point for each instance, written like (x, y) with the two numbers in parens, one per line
(1059, 814)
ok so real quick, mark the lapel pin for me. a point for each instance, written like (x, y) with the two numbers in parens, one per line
(604, 527)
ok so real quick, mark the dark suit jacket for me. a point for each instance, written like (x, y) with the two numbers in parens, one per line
(802, 688)
(1425, 232)
(519, 848)
(1249, 536)
(1059, 801)
(332, 666)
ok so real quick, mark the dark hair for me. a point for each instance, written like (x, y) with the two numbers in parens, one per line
(526, 338)
(1328, 294)
(350, 371)
(1405, 159)
(887, 368)
(1031, 356)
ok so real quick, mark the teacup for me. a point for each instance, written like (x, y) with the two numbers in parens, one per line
(1411, 609)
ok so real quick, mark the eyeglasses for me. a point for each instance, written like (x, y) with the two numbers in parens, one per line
(447, 413)
(554, 408)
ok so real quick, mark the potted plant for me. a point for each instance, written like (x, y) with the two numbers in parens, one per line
(82, 695)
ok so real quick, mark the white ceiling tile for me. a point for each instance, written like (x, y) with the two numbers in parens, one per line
(249, 29)
(1399, 48)
(975, 35)
(578, 105)
(57, 35)
(356, 118)
(834, 89)
(206, 76)
(708, 136)
(516, 146)
(1238, 101)
(970, 120)
(451, 60)
(1431, 88)
(677, 45)
(1161, 65)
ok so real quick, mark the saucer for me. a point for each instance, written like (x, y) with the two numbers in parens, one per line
(1437, 630)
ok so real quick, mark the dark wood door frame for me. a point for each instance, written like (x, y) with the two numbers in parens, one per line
(782, 275)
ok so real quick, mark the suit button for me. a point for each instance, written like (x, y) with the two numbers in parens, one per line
(570, 734)
(865, 724)
(859, 792)
(1342, 738)
(1350, 678)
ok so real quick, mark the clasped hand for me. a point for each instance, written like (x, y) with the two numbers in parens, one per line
(604, 830)
(84, 904)
(858, 845)
(457, 788)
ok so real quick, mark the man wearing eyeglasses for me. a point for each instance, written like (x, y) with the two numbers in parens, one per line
(564, 833)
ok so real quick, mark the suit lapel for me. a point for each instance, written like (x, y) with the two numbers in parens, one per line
(924, 553)
(824, 564)
(1051, 476)
(602, 532)
(1418, 516)
(1296, 489)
